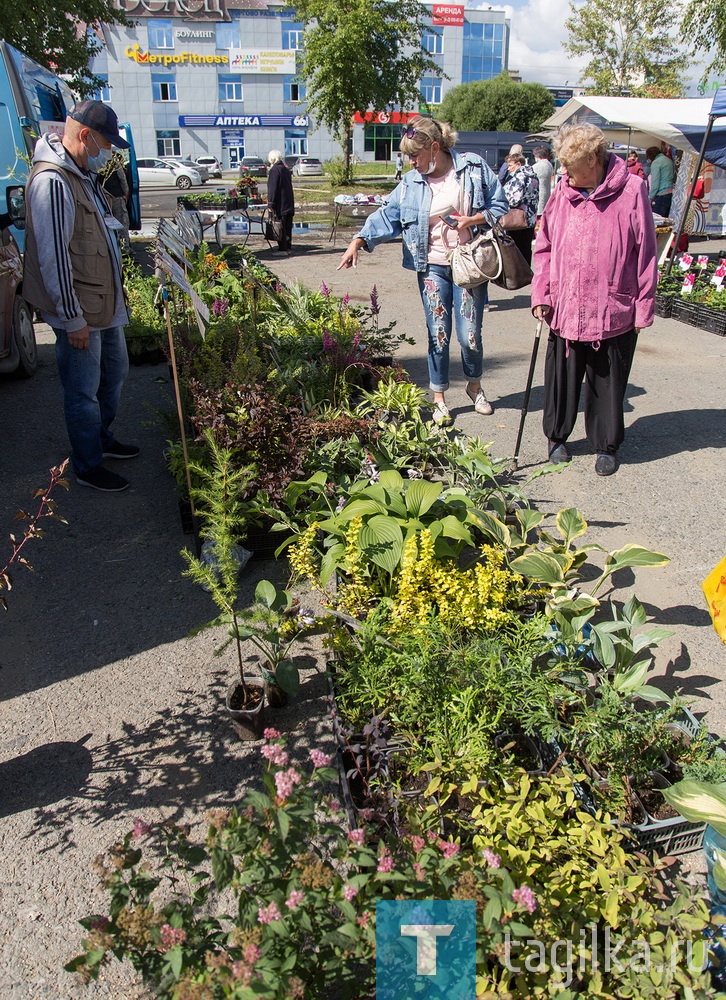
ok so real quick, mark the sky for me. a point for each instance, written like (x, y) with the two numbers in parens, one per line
(538, 30)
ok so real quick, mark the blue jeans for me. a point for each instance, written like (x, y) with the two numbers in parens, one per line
(92, 379)
(662, 204)
(445, 302)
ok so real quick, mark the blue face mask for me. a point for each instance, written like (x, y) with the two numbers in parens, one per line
(98, 162)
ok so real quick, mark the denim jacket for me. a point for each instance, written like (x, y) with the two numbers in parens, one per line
(406, 211)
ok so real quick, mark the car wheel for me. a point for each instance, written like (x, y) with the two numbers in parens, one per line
(183, 182)
(24, 337)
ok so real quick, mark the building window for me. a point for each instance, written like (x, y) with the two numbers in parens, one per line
(293, 90)
(230, 86)
(161, 34)
(483, 51)
(292, 35)
(168, 142)
(102, 93)
(228, 35)
(433, 42)
(430, 90)
(296, 142)
(163, 87)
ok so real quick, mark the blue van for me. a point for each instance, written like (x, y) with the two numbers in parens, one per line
(33, 100)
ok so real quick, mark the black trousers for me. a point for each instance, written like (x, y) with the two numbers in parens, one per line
(605, 371)
(523, 238)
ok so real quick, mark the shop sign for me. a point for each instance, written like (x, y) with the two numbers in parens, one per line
(383, 117)
(444, 13)
(262, 60)
(233, 137)
(191, 35)
(243, 121)
(178, 59)
(192, 10)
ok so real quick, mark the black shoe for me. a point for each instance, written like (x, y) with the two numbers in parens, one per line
(605, 465)
(118, 450)
(102, 479)
(558, 453)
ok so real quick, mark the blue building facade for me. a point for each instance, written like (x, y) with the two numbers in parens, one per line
(196, 77)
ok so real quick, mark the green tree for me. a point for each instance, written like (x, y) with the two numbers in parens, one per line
(632, 46)
(360, 54)
(62, 37)
(704, 29)
(498, 105)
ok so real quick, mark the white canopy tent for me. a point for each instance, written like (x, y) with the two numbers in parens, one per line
(638, 121)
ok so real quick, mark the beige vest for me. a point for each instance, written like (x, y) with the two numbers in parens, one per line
(91, 260)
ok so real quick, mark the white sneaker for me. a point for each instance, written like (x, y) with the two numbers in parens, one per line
(441, 414)
(481, 403)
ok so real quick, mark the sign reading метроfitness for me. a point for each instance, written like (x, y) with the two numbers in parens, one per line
(180, 58)
(243, 121)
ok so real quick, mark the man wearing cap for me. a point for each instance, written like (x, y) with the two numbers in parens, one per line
(73, 276)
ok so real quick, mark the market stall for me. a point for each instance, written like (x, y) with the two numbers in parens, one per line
(640, 122)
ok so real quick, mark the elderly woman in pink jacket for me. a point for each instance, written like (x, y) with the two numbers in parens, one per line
(595, 274)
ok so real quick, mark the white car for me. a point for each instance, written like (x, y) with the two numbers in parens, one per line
(186, 161)
(307, 166)
(156, 171)
(211, 163)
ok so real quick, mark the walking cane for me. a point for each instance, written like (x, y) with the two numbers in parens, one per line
(525, 403)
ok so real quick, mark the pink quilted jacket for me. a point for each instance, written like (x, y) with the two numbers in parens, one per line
(595, 258)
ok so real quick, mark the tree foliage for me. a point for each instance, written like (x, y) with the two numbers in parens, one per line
(704, 29)
(498, 105)
(360, 54)
(56, 35)
(632, 45)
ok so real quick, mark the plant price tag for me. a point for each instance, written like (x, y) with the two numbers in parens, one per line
(685, 262)
(687, 286)
(719, 274)
(703, 260)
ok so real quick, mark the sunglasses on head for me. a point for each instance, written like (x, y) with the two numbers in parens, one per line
(409, 132)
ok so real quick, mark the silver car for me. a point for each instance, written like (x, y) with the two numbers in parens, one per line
(185, 161)
(154, 170)
(211, 163)
(307, 166)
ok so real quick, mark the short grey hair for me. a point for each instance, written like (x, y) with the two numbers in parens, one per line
(274, 156)
(575, 142)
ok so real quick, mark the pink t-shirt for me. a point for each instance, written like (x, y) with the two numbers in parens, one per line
(445, 195)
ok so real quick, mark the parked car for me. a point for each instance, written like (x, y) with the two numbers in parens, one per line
(154, 170)
(252, 166)
(18, 350)
(290, 161)
(185, 161)
(211, 163)
(308, 166)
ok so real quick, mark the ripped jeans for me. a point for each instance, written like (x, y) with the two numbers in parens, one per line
(441, 297)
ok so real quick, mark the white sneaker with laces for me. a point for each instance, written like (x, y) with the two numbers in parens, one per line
(441, 414)
(481, 403)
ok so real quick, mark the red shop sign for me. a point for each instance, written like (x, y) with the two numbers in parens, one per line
(444, 13)
(383, 117)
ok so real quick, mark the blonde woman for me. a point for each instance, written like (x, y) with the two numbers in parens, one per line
(441, 185)
(594, 282)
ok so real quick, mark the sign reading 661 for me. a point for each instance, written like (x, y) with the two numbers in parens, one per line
(301, 121)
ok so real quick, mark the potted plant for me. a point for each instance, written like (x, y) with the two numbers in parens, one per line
(273, 624)
(223, 515)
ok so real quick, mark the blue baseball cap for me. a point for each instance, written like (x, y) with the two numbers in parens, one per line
(101, 118)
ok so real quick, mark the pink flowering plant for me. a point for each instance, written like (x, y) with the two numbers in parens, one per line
(304, 894)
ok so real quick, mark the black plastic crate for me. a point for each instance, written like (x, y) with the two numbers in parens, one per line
(686, 312)
(663, 305)
(713, 320)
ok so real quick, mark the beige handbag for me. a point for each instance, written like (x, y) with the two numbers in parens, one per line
(476, 262)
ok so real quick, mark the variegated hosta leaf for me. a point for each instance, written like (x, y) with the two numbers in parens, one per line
(699, 802)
